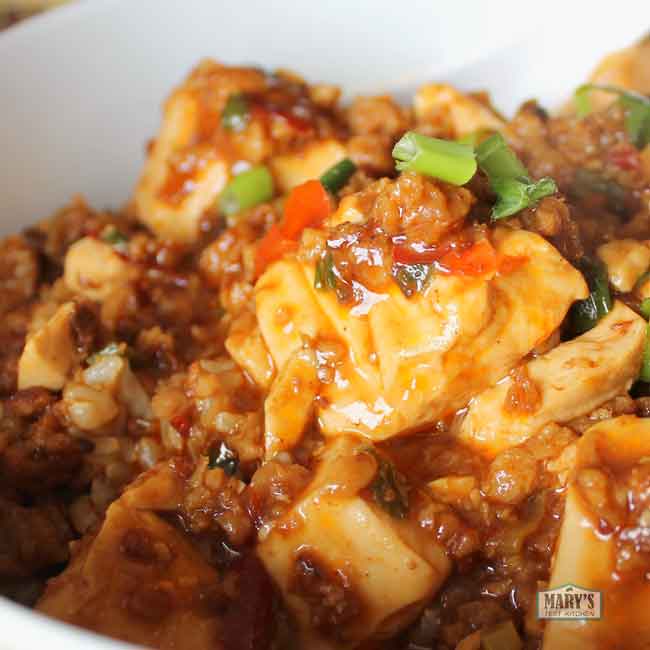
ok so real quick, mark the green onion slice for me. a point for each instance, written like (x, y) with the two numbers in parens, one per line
(513, 195)
(389, 488)
(246, 190)
(498, 160)
(644, 308)
(335, 178)
(236, 113)
(509, 178)
(586, 313)
(224, 458)
(449, 161)
(412, 278)
(586, 182)
(637, 122)
(325, 278)
(644, 374)
(116, 238)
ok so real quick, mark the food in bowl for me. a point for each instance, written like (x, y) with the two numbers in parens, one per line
(365, 376)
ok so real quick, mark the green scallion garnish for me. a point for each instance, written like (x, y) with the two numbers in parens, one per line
(644, 373)
(236, 113)
(246, 190)
(115, 237)
(637, 121)
(514, 195)
(644, 308)
(498, 160)
(335, 178)
(587, 182)
(509, 179)
(325, 277)
(223, 458)
(586, 313)
(411, 278)
(449, 161)
(389, 488)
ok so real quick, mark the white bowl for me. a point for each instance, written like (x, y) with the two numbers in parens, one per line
(81, 89)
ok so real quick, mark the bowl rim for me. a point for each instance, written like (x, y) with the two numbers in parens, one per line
(25, 627)
(28, 628)
(50, 19)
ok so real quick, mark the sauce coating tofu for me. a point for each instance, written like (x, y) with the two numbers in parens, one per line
(139, 579)
(586, 553)
(382, 568)
(411, 361)
(572, 379)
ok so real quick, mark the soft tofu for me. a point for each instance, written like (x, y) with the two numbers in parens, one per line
(443, 105)
(95, 270)
(178, 221)
(189, 163)
(312, 161)
(585, 557)
(573, 379)
(391, 567)
(287, 310)
(248, 350)
(626, 260)
(412, 361)
(150, 595)
(290, 403)
(49, 352)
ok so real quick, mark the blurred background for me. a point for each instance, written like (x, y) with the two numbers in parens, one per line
(12, 11)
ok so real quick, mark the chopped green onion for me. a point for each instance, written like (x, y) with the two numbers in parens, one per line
(116, 238)
(246, 190)
(224, 458)
(325, 278)
(644, 308)
(513, 195)
(502, 636)
(335, 178)
(644, 373)
(637, 122)
(389, 488)
(586, 313)
(498, 160)
(509, 178)
(451, 162)
(586, 182)
(236, 113)
(411, 278)
(582, 101)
